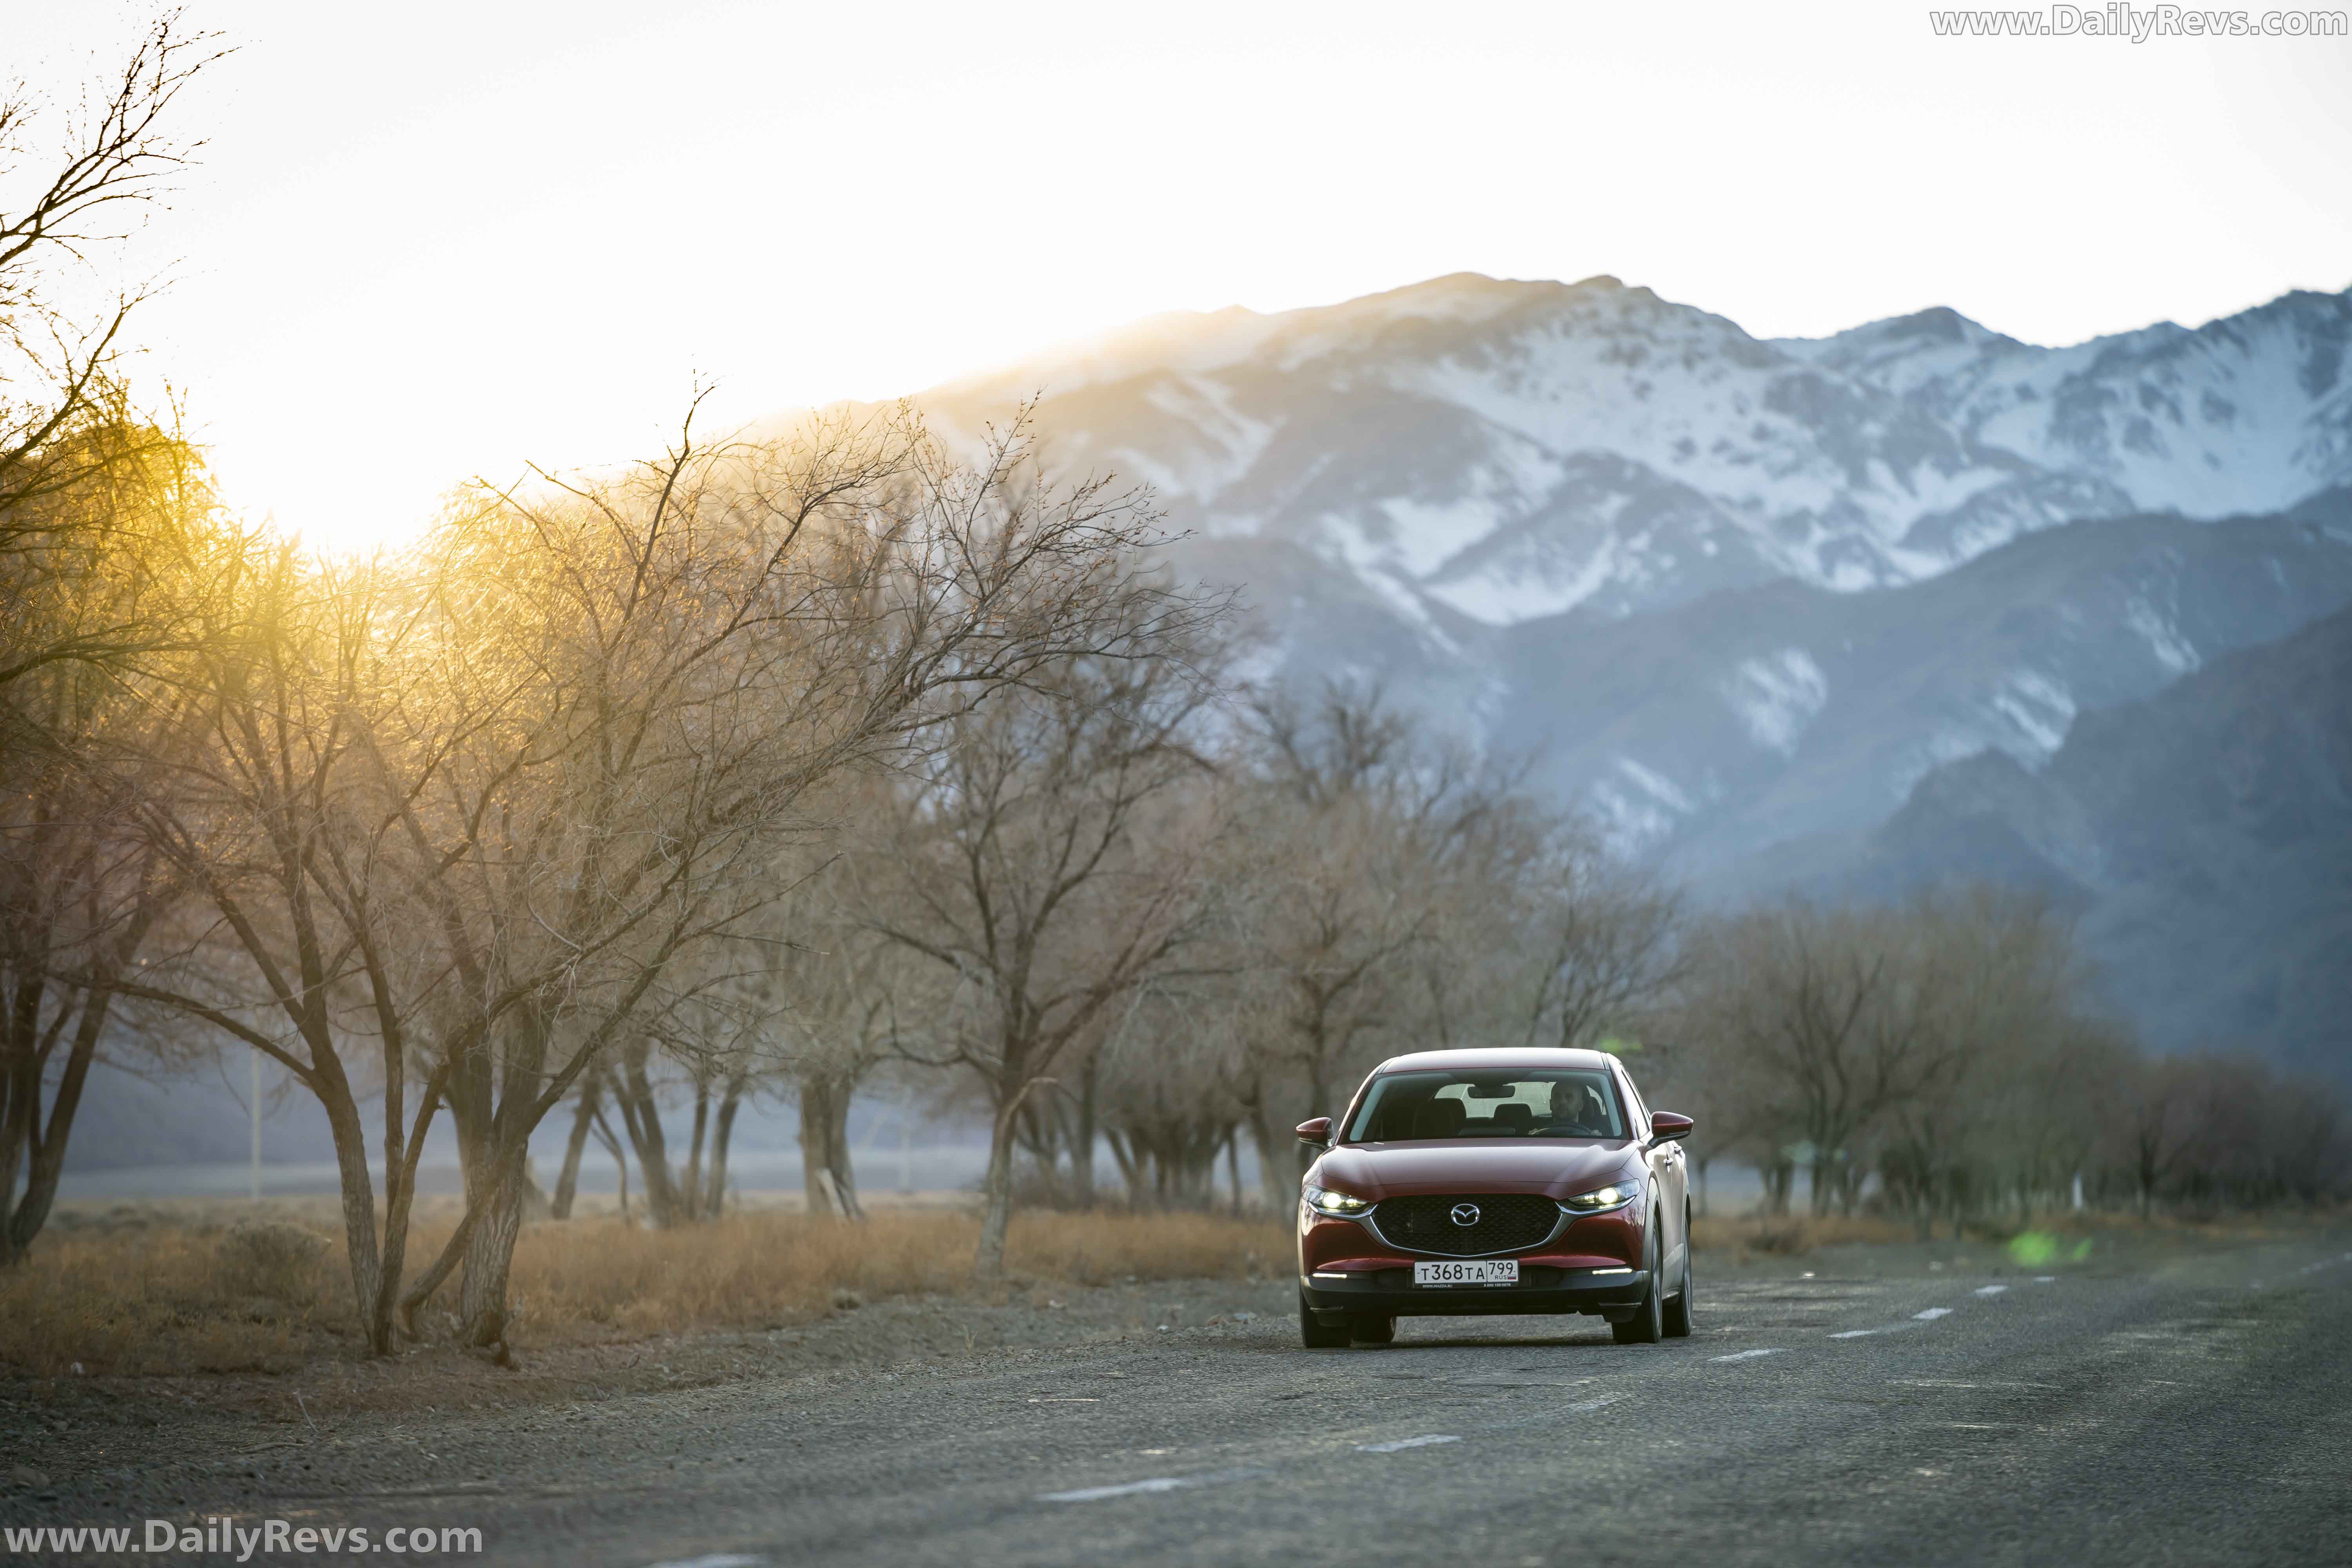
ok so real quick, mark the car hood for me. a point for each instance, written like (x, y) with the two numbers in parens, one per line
(1556, 1167)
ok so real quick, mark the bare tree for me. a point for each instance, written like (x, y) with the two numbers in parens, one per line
(1362, 854)
(1049, 862)
(708, 1034)
(708, 643)
(832, 989)
(1603, 938)
(465, 812)
(1831, 1019)
(78, 897)
(139, 542)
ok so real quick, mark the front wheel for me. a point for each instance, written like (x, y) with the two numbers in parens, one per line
(1647, 1326)
(1313, 1335)
(1678, 1310)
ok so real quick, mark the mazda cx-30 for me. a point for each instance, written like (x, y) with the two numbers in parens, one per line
(1476, 1182)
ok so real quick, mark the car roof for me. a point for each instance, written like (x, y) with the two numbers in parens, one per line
(1506, 1056)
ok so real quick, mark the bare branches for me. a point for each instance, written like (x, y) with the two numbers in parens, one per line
(117, 155)
(94, 496)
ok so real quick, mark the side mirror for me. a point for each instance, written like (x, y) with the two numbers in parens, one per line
(1666, 1126)
(1316, 1133)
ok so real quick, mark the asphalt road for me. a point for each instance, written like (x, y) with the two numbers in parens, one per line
(2197, 1411)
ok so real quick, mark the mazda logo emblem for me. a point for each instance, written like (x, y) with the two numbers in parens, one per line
(1466, 1214)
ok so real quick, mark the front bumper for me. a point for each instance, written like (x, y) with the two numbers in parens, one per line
(1391, 1292)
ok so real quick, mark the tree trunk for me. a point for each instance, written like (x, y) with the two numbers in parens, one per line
(359, 1219)
(690, 1189)
(1318, 1096)
(620, 1160)
(1130, 1174)
(1275, 1179)
(827, 1178)
(567, 1182)
(22, 1091)
(38, 1141)
(996, 1213)
(715, 1195)
(641, 1118)
(489, 1253)
(1082, 1139)
(1233, 1165)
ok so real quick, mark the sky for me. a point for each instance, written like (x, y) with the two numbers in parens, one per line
(442, 240)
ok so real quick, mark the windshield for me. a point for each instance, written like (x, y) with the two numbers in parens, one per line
(1509, 1103)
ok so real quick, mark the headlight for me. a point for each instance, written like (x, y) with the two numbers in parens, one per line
(1617, 1195)
(1322, 1200)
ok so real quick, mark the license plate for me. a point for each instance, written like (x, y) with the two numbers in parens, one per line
(1486, 1271)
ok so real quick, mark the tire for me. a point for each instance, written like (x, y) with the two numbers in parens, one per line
(1313, 1335)
(1647, 1326)
(1372, 1327)
(1678, 1310)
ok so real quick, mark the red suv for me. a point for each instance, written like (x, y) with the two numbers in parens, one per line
(1465, 1183)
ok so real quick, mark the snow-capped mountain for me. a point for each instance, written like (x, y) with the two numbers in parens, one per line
(1738, 593)
(1497, 451)
(1740, 734)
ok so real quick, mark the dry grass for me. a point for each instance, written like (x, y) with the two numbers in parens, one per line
(762, 1269)
(158, 1302)
(165, 1300)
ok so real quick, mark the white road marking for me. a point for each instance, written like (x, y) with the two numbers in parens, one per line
(1856, 1333)
(1744, 1355)
(1096, 1494)
(2045, 1279)
(1932, 1313)
(1155, 1484)
(1991, 1289)
(1403, 1443)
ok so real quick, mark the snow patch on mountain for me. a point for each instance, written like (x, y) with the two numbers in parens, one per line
(2038, 708)
(2174, 651)
(1648, 812)
(1231, 441)
(1776, 696)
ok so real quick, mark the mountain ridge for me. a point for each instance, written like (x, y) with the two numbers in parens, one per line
(1512, 448)
(2202, 835)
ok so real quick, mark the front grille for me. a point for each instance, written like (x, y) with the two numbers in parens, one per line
(1507, 1223)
